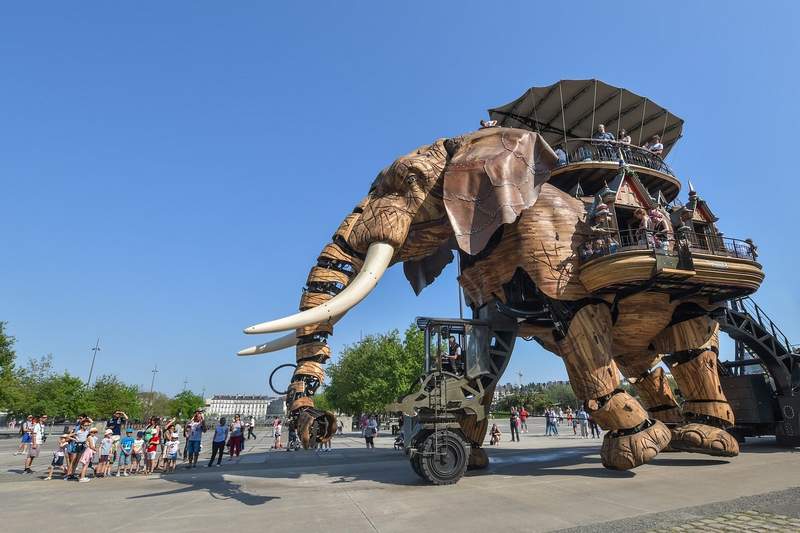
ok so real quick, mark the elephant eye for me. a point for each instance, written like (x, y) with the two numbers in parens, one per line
(411, 178)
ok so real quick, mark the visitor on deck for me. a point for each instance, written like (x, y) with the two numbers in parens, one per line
(654, 145)
(660, 231)
(642, 228)
(561, 154)
(586, 251)
(605, 149)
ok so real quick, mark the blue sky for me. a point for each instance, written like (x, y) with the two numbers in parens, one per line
(170, 171)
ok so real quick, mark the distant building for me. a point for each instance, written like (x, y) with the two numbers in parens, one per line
(239, 404)
(277, 406)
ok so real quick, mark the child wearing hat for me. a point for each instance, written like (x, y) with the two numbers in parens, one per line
(58, 455)
(103, 465)
(88, 453)
(124, 452)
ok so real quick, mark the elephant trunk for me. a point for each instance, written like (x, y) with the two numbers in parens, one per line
(336, 268)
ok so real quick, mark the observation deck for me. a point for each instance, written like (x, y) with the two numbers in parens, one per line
(568, 115)
(611, 144)
(586, 165)
(693, 265)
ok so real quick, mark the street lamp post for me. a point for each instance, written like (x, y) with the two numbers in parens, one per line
(152, 384)
(94, 355)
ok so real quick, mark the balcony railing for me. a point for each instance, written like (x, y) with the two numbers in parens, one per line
(583, 150)
(660, 243)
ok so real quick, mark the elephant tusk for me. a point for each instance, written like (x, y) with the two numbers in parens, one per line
(379, 255)
(281, 343)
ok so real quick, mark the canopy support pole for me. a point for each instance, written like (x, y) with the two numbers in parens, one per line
(641, 127)
(619, 112)
(664, 129)
(594, 107)
(563, 118)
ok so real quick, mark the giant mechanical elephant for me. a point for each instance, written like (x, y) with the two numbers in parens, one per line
(486, 196)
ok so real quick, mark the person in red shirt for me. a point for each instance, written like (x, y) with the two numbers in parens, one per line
(523, 419)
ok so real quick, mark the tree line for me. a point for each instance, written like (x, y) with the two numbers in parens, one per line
(37, 389)
(374, 372)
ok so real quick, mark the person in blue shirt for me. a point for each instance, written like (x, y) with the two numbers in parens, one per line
(606, 151)
(124, 455)
(117, 423)
(218, 443)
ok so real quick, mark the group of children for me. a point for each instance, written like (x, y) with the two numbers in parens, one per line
(76, 452)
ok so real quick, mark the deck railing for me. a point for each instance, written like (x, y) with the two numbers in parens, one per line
(663, 243)
(582, 150)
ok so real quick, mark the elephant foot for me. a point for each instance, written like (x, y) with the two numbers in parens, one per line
(700, 438)
(626, 449)
(478, 460)
(314, 426)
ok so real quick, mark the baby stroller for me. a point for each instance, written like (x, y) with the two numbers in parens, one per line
(399, 441)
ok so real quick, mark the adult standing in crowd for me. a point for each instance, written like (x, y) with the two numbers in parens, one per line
(594, 428)
(197, 426)
(583, 420)
(76, 448)
(251, 426)
(117, 423)
(218, 442)
(523, 419)
(513, 422)
(370, 432)
(237, 436)
(36, 433)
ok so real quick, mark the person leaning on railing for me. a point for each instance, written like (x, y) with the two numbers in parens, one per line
(601, 241)
(654, 145)
(605, 138)
(642, 227)
(660, 231)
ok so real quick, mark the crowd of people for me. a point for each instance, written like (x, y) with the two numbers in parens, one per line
(581, 422)
(123, 449)
(609, 147)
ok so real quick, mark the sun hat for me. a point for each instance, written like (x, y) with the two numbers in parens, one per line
(108, 432)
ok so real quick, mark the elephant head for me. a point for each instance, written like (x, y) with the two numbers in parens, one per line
(451, 194)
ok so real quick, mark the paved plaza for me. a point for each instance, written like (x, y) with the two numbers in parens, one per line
(539, 484)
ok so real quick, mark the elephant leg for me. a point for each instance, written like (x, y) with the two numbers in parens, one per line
(632, 438)
(706, 409)
(652, 386)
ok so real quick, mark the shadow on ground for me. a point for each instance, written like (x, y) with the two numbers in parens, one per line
(391, 467)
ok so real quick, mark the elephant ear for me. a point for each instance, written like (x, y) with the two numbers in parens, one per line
(493, 175)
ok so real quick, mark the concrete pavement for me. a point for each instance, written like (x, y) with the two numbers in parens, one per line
(540, 484)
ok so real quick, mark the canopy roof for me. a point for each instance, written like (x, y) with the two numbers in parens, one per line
(574, 108)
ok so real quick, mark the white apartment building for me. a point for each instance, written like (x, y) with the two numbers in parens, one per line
(240, 404)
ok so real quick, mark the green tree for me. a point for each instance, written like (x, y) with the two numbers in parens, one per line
(9, 385)
(110, 394)
(62, 396)
(184, 404)
(561, 394)
(155, 404)
(375, 371)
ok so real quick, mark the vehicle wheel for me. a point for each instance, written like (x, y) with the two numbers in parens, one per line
(415, 465)
(444, 459)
